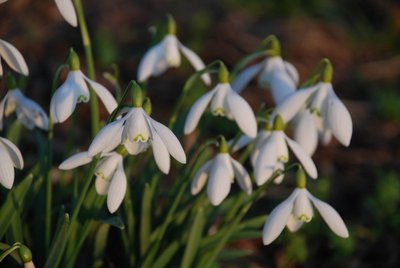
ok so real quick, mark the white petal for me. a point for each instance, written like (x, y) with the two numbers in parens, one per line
(339, 120)
(266, 161)
(1, 68)
(135, 148)
(108, 165)
(136, 126)
(171, 50)
(160, 151)
(2, 108)
(292, 72)
(200, 178)
(242, 113)
(31, 112)
(170, 140)
(281, 147)
(197, 63)
(242, 177)
(282, 86)
(306, 133)
(293, 103)
(105, 96)
(302, 209)
(13, 152)
(108, 134)
(67, 10)
(219, 182)
(303, 157)
(331, 217)
(63, 103)
(117, 190)
(259, 142)
(6, 169)
(196, 111)
(75, 160)
(148, 62)
(13, 58)
(277, 219)
(280, 177)
(245, 76)
(102, 185)
(293, 224)
(240, 143)
(2, 1)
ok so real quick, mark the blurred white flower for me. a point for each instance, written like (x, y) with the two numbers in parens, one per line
(320, 113)
(10, 157)
(273, 72)
(29, 113)
(67, 10)
(74, 90)
(13, 58)
(223, 102)
(220, 172)
(110, 175)
(137, 131)
(273, 154)
(167, 54)
(296, 210)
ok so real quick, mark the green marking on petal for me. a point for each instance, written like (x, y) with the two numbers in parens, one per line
(139, 137)
(219, 112)
(304, 218)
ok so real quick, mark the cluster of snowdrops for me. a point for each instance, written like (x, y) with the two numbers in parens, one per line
(313, 111)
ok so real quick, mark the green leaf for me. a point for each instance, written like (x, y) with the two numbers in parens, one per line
(145, 220)
(58, 244)
(100, 244)
(167, 255)
(13, 202)
(115, 221)
(233, 254)
(194, 239)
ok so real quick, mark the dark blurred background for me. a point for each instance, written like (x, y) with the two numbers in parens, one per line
(361, 38)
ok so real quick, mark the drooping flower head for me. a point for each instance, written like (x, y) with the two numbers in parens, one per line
(67, 10)
(320, 113)
(166, 54)
(10, 158)
(29, 113)
(13, 58)
(223, 101)
(220, 173)
(74, 90)
(273, 72)
(274, 153)
(297, 209)
(137, 131)
(110, 175)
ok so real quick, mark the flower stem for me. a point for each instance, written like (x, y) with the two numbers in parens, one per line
(87, 46)
(49, 162)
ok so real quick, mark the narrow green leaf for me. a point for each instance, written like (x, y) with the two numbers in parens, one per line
(145, 220)
(167, 255)
(14, 254)
(194, 238)
(100, 244)
(58, 244)
(115, 221)
(13, 202)
(234, 254)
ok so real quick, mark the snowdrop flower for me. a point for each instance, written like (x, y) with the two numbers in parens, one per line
(67, 10)
(220, 172)
(10, 158)
(167, 54)
(137, 131)
(223, 102)
(321, 113)
(281, 76)
(110, 175)
(74, 90)
(29, 113)
(296, 210)
(13, 58)
(274, 153)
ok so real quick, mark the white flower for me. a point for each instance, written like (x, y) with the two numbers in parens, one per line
(220, 172)
(74, 90)
(29, 113)
(321, 114)
(281, 76)
(13, 58)
(137, 131)
(167, 54)
(296, 210)
(110, 176)
(10, 157)
(223, 102)
(67, 10)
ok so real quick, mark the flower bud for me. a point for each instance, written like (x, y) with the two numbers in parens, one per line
(25, 253)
